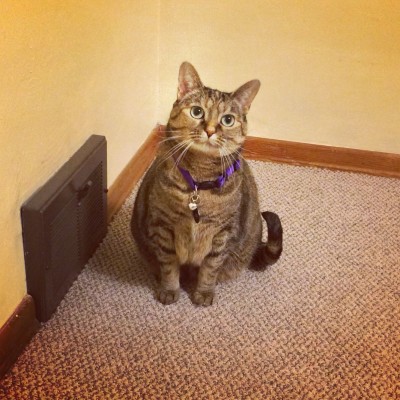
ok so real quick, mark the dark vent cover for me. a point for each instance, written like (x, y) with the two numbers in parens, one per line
(63, 223)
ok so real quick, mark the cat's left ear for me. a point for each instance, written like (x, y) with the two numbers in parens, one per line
(245, 94)
(189, 80)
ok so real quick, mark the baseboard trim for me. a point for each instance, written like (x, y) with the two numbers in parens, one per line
(131, 174)
(337, 158)
(16, 333)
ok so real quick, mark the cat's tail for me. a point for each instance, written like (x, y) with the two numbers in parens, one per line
(269, 253)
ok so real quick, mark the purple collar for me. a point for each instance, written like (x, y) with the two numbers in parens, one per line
(205, 185)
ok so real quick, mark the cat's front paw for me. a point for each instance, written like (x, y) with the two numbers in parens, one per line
(168, 296)
(203, 298)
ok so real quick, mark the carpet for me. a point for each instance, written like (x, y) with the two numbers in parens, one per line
(322, 323)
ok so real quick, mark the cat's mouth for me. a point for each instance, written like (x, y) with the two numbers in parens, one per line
(210, 144)
(208, 140)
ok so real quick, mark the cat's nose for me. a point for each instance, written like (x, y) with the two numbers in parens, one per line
(210, 130)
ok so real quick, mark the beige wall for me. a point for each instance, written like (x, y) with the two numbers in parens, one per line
(329, 69)
(329, 72)
(68, 69)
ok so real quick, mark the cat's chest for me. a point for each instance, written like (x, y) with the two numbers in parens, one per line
(193, 240)
(203, 206)
(198, 219)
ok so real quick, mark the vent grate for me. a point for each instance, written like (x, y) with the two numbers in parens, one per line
(64, 246)
(90, 215)
(63, 223)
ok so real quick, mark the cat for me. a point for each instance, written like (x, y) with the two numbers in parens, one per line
(197, 206)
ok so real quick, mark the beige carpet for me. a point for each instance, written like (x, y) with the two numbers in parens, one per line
(322, 323)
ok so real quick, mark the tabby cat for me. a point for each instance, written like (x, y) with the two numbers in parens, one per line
(197, 206)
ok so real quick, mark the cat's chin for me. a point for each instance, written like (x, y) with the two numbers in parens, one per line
(207, 147)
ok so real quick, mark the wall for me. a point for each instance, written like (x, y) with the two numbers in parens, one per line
(329, 72)
(68, 69)
(329, 69)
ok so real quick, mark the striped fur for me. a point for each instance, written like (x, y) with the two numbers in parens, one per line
(228, 237)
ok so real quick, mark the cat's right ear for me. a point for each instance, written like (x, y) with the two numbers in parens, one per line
(189, 80)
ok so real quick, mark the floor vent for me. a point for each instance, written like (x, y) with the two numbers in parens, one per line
(62, 224)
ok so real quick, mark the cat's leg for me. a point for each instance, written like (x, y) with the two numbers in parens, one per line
(168, 265)
(208, 271)
(169, 290)
(206, 282)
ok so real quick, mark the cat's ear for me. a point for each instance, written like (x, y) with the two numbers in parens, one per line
(245, 94)
(189, 80)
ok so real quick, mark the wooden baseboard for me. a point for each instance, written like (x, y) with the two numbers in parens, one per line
(339, 158)
(16, 333)
(131, 174)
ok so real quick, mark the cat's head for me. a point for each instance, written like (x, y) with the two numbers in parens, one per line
(208, 120)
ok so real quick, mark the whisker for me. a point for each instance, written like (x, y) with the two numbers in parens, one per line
(171, 138)
(227, 158)
(220, 149)
(231, 159)
(230, 155)
(256, 153)
(183, 153)
(239, 154)
(175, 149)
(166, 132)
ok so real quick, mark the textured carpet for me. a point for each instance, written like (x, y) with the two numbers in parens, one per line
(322, 323)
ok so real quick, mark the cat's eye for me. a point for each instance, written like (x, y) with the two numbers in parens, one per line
(228, 120)
(197, 112)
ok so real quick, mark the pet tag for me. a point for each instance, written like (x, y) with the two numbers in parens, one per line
(196, 215)
(193, 205)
